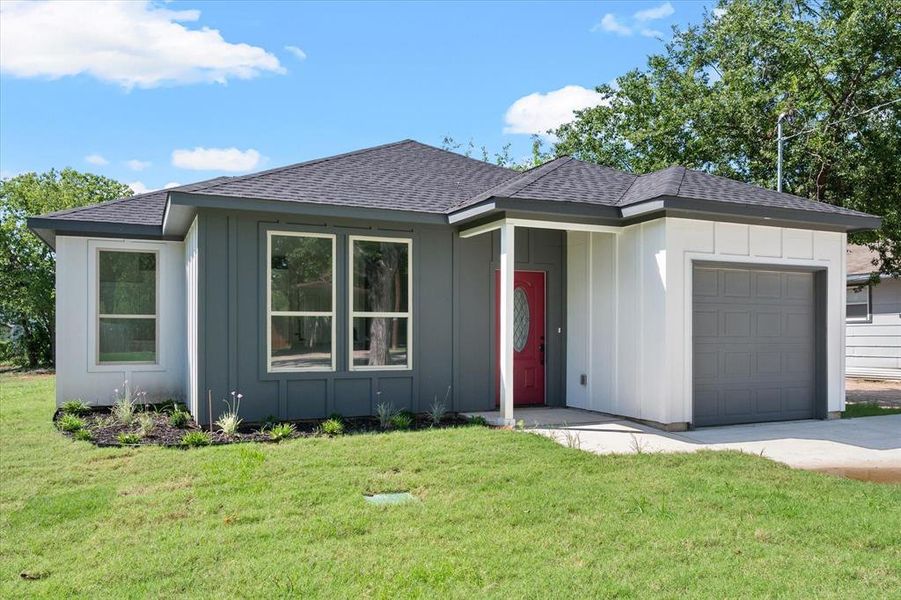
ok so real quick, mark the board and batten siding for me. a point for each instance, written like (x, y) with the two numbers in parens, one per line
(874, 348)
(192, 307)
(632, 291)
(78, 374)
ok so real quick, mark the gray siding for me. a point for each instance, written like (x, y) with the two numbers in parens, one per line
(477, 260)
(877, 344)
(453, 289)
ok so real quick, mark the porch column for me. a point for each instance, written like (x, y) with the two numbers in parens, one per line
(505, 292)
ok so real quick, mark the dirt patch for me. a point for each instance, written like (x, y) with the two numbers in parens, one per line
(105, 431)
(882, 392)
(874, 474)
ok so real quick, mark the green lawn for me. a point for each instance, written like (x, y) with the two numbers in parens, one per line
(867, 409)
(502, 514)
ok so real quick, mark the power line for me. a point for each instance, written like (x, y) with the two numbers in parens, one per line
(863, 112)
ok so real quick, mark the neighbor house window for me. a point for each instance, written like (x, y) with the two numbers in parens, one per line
(301, 302)
(127, 317)
(858, 303)
(380, 303)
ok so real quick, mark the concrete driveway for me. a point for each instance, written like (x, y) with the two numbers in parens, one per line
(864, 448)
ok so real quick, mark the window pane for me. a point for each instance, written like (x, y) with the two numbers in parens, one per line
(127, 340)
(301, 273)
(380, 276)
(301, 342)
(380, 341)
(127, 283)
(858, 295)
(857, 311)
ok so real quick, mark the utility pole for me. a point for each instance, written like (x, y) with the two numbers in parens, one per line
(779, 158)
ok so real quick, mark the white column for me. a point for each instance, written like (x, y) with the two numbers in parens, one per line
(508, 265)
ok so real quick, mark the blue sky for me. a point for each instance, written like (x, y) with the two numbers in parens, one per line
(155, 94)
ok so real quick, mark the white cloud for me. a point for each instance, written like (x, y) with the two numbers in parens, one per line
(651, 33)
(138, 187)
(610, 24)
(538, 113)
(171, 184)
(137, 165)
(132, 44)
(297, 52)
(658, 12)
(96, 159)
(216, 159)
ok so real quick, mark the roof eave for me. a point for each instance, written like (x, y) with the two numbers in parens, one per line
(48, 229)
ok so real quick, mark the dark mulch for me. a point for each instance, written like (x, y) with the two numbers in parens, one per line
(105, 429)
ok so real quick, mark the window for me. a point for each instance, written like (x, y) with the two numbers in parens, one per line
(301, 302)
(380, 303)
(127, 320)
(858, 303)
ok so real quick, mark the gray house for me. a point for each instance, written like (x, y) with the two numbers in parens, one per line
(873, 319)
(388, 274)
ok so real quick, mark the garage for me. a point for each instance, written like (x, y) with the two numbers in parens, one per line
(754, 345)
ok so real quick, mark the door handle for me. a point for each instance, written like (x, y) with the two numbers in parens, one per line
(541, 349)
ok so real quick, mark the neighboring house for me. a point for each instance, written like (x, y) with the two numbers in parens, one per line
(874, 319)
(388, 274)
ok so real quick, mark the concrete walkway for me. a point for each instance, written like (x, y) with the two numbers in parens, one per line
(868, 447)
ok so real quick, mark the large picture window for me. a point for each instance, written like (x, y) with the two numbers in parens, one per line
(127, 318)
(380, 303)
(301, 301)
(858, 304)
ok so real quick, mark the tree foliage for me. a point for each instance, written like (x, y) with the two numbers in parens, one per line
(27, 267)
(712, 99)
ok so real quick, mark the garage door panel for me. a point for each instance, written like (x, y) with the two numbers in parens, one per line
(753, 339)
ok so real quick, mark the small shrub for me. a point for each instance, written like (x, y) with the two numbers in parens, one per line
(331, 427)
(128, 439)
(83, 435)
(281, 431)
(146, 423)
(385, 412)
(229, 422)
(179, 418)
(70, 423)
(76, 407)
(437, 409)
(402, 420)
(337, 416)
(126, 407)
(105, 421)
(195, 439)
(478, 420)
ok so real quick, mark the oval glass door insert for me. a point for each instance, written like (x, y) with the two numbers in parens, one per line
(520, 319)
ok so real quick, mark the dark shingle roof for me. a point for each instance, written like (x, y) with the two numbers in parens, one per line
(140, 209)
(405, 175)
(411, 176)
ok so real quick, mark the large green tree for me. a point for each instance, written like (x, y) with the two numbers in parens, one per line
(711, 101)
(27, 267)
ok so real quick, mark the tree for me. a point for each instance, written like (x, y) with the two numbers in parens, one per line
(712, 99)
(27, 265)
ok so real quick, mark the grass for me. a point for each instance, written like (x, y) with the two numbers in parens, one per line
(501, 514)
(868, 409)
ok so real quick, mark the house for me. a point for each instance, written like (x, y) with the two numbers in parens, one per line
(873, 319)
(676, 298)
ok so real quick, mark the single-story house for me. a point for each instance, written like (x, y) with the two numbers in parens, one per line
(389, 274)
(873, 319)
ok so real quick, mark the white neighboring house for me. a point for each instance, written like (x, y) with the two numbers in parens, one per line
(873, 319)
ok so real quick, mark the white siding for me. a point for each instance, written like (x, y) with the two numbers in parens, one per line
(78, 375)
(874, 348)
(629, 308)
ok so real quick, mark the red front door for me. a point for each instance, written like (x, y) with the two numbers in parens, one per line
(528, 337)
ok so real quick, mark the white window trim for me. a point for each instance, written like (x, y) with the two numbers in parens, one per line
(363, 314)
(869, 317)
(306, 313)
(98, 315)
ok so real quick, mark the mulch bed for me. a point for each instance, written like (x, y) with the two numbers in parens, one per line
(105, 429)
